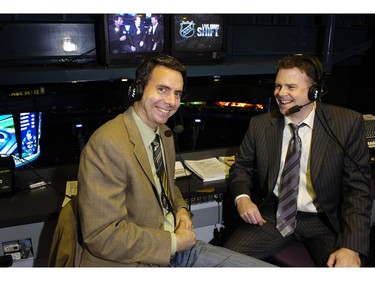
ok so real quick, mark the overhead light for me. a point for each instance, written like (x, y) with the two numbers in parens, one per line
(68, 45)
(216, 78)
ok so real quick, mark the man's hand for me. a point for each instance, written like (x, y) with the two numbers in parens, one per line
(249, 212)
(183, 215)
(185, 237)
(344, 257)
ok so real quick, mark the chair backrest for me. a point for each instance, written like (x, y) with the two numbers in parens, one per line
(66, 248)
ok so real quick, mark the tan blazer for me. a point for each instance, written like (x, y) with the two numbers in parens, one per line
(120, 214)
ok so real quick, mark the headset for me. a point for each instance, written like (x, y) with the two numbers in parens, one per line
(135, 91)
(318, 89)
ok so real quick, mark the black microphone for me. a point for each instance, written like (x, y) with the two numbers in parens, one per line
(296, 108)
(178, 129)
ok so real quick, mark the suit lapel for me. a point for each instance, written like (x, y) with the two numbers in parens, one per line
(139, 149)
(141, 153)
(274, 136)
(318, 143)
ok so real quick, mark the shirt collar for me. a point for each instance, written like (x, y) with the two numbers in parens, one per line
(147, 134)
(309, 120)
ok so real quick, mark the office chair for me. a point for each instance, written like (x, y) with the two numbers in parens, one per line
(66, 248)
(294, 254)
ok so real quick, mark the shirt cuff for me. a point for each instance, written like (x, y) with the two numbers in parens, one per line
(174, 244)
(187, 209)
(240, 196)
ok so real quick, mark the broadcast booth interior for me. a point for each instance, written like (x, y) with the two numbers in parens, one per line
(80, 60)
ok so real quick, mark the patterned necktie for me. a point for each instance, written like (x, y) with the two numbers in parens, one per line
(160, 171)
(287, 206)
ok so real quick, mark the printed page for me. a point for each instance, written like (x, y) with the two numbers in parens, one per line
(70, 190)
(208, 169)
(180, 170)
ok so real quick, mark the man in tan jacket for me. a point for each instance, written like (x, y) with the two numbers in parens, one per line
(127, 216)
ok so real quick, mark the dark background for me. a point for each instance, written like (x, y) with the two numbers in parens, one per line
(80, 89)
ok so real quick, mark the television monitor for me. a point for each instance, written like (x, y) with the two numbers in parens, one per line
(130, 37)
(198, 38)
(47, 43)
(8, 140)
(20, 135)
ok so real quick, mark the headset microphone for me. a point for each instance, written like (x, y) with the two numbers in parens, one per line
(178, 129)
(296, 108)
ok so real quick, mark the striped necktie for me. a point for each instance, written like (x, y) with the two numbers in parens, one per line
(160, 171)
(287, 206)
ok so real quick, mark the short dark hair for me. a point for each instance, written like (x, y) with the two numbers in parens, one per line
(143, 71)
(156, 17)
(308, 64)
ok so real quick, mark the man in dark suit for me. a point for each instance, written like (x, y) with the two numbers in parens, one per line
(334, 198)
(155, 35)
(117, 35)
(131, 215)
(137, 35)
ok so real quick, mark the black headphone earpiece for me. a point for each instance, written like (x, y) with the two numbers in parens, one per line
(315, 92)
(135, 91)
(318, 89)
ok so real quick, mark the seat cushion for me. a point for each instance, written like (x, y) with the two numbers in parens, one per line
(293, 255)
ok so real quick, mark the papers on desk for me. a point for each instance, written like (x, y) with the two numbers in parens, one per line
(229, 160)
(209, 169)
(368, 117)
(180, 171)
(70, 191)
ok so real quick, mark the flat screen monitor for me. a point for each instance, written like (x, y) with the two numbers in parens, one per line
(129, 37)
(198, 38)
(8, 140)
(20, 135)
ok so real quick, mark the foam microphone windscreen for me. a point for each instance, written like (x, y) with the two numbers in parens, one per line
(293, 109)
(178, 129)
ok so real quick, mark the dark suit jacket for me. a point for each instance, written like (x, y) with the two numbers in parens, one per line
(120, 213)
(135, 38)
(156, 38)
(340, 175)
